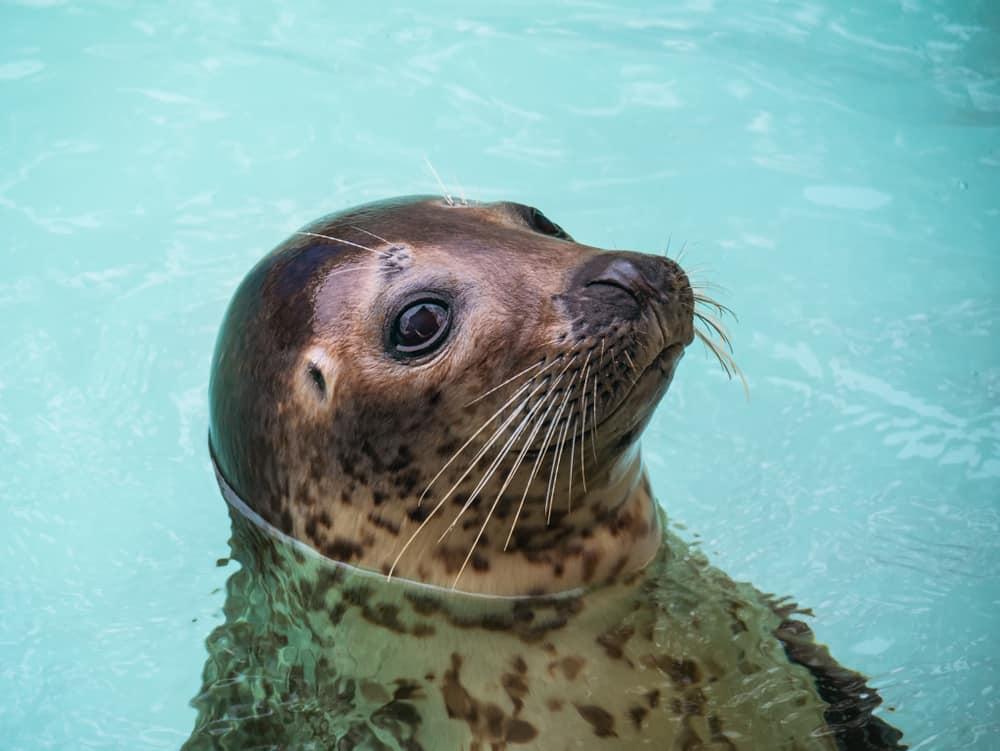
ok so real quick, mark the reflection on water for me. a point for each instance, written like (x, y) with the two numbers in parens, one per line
(834, 167)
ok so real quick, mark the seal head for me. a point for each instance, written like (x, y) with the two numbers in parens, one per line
(451, 394)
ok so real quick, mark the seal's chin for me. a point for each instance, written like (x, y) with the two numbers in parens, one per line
(639, 402)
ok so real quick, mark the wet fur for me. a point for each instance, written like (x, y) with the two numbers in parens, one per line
(477, 470)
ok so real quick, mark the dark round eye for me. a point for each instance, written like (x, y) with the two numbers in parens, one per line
(545, 225)
(421, 328)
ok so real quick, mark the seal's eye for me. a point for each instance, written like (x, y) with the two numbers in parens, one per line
(546, 226)
(421, 328)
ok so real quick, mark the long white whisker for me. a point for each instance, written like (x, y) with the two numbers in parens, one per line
(725, 360)
(555, 421)
(513, 378)
(534, 469)
(706, 300)
(583, 422)
(572, 454)
(338, 272)
(503, 488)
(493, 439)
(440, 182)
(370, 234)
(554, 476)
(501, 455)
(593, 435)
(717, 326)
(541, 452)
(475, 460)
(331, 238)
(513, 398)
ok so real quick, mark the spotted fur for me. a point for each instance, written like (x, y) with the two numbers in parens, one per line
(463, 551)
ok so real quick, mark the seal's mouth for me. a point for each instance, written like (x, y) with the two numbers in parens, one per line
(644, 393)
(633, 404)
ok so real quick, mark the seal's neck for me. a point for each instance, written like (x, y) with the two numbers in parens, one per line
(578, 539)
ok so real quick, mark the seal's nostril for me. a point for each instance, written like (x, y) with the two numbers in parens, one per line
(626, 275)
(609, 282)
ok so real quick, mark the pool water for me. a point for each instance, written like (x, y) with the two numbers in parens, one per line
(834, 171)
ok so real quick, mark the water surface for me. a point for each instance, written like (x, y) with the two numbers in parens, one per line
(836, 172)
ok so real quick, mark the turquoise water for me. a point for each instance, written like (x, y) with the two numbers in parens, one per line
(836, 172)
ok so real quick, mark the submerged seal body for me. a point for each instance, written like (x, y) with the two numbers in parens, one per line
(425, 416)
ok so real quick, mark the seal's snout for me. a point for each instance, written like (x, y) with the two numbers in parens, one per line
(610, 288)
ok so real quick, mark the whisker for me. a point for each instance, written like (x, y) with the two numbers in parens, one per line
(338, 272)
(440, 182)
(554, 476)
(513, 378)
(583, 423)
(716, 326)
(493, 439)
(503, 488)
(538, 459)
(517, 464)
(487, 474)
(461, 194)
(630, 363)
(680, 253)
(465, 445)
(572, 453)
(593, 434)
(725, 360)
(380, 253)
(550, 490)
(370, 234)
(722, 309)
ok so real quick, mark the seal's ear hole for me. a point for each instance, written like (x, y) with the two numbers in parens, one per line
(541, 223)
(318, 380)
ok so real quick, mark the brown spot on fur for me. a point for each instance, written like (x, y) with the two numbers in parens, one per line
(386, 615)
(516, 689)
(456, 699)
(602, 722)
(453, 558)
(617, 568)
(342, 549)
(683, 672)
(638, 714)
(590, 560)
(653, 698)
(615, 639)
(380, 521)
(403, 459)
(423, 630)
(571, 666)
(418, 513)
(520, 731)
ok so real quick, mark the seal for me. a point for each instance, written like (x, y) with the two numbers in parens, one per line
(425, 416)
